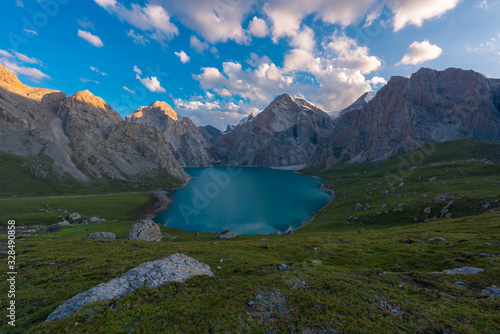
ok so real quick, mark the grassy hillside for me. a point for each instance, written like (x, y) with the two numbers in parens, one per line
(374, 274)
(37, 176)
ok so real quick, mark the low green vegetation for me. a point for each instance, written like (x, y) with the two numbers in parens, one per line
(37, 176)
(350, 271)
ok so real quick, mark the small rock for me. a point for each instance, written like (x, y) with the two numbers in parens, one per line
(101, 235)
(358, 206)
(275, 233)
(463, 271)
(250, 303)
(145, 230)
(366, 207)
(225, 235)
(432, 179)
(460, 283)
(397, 210)
(437, 239)
(74, 216)
(427, 210)
(440, 198)
(64, 223)
(384, 192)
(219, 267)
(424, 196)
(492, 290)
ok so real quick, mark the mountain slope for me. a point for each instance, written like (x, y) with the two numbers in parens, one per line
(188, 143)
(283, 134)
(81, 136)
(431, 105)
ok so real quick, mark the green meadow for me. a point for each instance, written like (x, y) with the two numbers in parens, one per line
(372, 270)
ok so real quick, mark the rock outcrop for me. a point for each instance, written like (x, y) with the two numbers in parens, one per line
(431, 105)
(188, 143)
(101, 235)
(175, 268)
(210, 133)
(283, 134)
(225, 235)
(145, 230)
(82, 136)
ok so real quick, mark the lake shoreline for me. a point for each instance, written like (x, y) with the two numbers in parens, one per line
(162, 200)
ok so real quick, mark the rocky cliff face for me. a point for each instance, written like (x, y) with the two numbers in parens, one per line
(84, 136)
(188, 143)
(283, 134)
(210, 133)
(429, 106)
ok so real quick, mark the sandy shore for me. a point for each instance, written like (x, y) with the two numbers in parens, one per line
(160, 203)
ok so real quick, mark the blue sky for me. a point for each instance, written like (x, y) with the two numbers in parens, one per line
(218, 60)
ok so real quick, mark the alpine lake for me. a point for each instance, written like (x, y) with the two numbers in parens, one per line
(244, 200)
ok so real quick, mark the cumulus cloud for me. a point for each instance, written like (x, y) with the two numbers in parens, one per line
(216, 113)
(214, 20)
(258, 27)
(92, 39)
(417, 11)
(151, 83)
(15, 63)
(197, 45)
(349, 55)
(376, 81)
(153, 19)
(420, 52)
(182, 56)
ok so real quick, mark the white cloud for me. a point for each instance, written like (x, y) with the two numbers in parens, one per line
(151, 83)
(258, 27)
(197, 45)
(5, 54)
(31, 72)
(19, 3)
(86, 24)
(417, 11)
(489, 45)
(138, 38)
(29, 31)
(420, 52)
(287, 15)
(128, 90)
(483, 4)
(215, 113)
(153, 19)
(85, 80)
(214, 20)
(92, 39)
(330, 75)
(349, 55)
(13, 61)
(95, 69)
(182, 56)
(26, 59)
(375, 81)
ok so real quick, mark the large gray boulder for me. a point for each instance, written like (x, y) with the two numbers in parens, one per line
(101, 235)
(175, 268)
(145, 230)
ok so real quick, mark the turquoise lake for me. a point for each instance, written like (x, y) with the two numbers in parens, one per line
(244, 200)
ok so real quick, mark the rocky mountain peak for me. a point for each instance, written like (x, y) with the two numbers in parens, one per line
(85, 96)
(8, 78)
(158, 108)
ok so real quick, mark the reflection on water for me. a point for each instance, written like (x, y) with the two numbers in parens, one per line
(244, 200)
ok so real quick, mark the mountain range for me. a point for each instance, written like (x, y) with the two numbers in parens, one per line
(85, 138)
